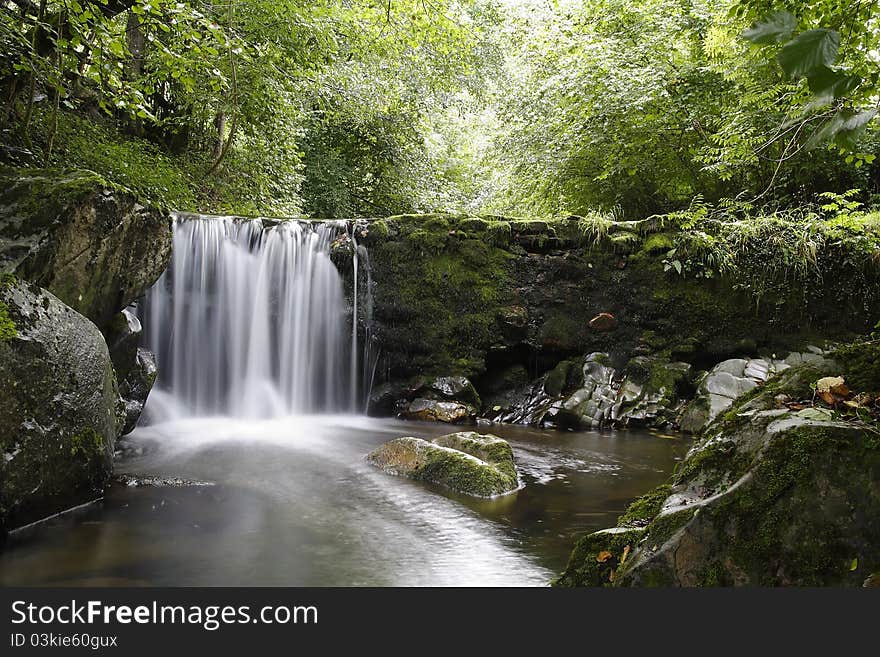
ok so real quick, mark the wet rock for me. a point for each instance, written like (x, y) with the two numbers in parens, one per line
(140, 481)
(767, 497)
(388, 398)
(431, 410)
(727, 381)
(59, 414)
(466, 462)
(123, 336)
(135, 387)
(603, 322)
(450, 388)
(89, 243)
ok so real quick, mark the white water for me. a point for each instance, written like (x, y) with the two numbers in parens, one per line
(251, 321)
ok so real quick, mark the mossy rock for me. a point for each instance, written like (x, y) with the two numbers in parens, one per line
(465, 462)
(59, 412)
(88, 242)
(597, 556)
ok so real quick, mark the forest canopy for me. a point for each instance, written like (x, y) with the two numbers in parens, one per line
(551, 107)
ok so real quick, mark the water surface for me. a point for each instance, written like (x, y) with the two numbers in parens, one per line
(294, 504)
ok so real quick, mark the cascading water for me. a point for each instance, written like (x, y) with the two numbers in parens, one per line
(251, 320)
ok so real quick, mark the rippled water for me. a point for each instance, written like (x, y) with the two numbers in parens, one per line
(294, 503)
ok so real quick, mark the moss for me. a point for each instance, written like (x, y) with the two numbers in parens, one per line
(85, 443)
(781, 534)
(645, 508)
(597, 557)
(379, 229)
(861, 365)
(7, 326)
(657, 243)
(555, 382)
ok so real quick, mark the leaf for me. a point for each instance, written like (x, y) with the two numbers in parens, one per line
(808, 51)
(774, 28)
(844, 128)
(826, 383)
(827, 84)
(854, 564)
(603, 556)
(818, 414)
(624, 555)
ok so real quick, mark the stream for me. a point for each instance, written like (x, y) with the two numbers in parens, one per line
(293, 503)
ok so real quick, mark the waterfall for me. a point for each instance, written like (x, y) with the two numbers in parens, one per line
(250, 320)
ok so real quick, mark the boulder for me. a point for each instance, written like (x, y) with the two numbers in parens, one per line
(450, 388)
(88, 242)
(466, 462)
(59, 412)
(135, 387)
(769, 496)
(431, 410)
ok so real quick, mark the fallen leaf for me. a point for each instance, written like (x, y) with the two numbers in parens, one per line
(825, 384)
(827, 397)
(852, 403)
(624, 555)
(603, 556)
(819, 414)
(842, 390)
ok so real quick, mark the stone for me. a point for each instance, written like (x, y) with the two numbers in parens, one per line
(766, 497)
(88, 242)
(59, 410)
(603, 322)
(135, 387)
(123, 336)
(475, 464)
(451, 388)
(431, 410)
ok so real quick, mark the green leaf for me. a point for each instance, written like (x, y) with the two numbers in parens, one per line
(854, 564)
(808, 51)
(828, 84)
(774, 28)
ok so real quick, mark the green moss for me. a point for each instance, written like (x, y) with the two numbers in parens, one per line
(658, 243)
(7, 326)
(86, 443)
(645, 508)
(597, 557)
(781, 533)
(861, 365)
(556, 379)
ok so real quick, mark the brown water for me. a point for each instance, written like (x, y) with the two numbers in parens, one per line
(294, 504)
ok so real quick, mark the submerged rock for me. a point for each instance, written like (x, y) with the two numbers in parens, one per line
(58, 407)
(89, 243)
(431, 410)
(466, 462)
(769, 496)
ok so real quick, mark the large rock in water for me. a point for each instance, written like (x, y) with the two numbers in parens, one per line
(769, 496)
(88, 242)
(431, 410)
(466, 462)
(58, 405)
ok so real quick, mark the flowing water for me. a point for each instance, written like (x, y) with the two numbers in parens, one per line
(265, 361)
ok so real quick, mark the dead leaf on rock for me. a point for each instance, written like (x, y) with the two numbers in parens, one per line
(825, 384)
(603, 556)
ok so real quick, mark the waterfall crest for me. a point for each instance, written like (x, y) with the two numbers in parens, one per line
(251, 320)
